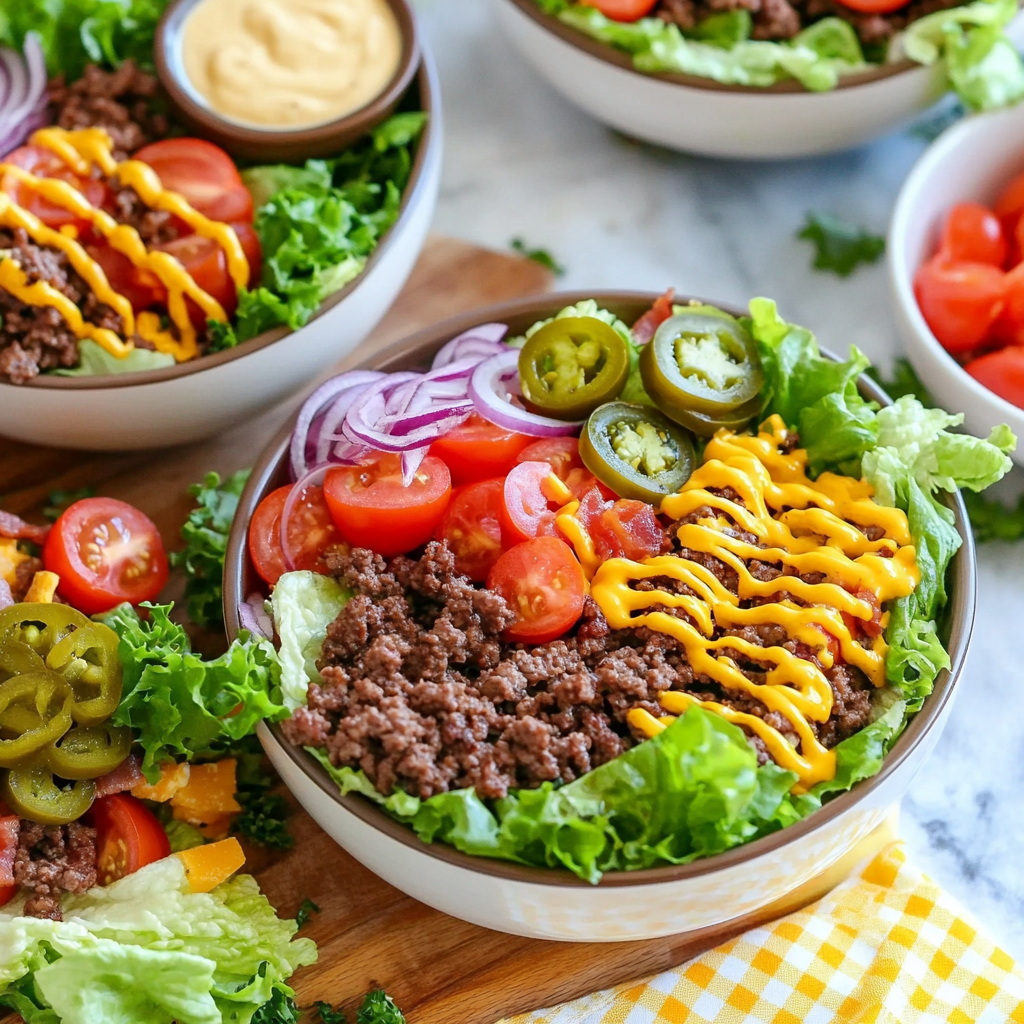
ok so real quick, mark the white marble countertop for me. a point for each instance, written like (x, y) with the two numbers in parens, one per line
(520, 161)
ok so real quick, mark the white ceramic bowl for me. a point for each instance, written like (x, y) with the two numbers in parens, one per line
(970, 162)
(554, 904)
(194, 400)
(700, 116)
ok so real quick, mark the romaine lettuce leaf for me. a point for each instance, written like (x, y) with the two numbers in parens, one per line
(93, 360)
(304, 604)
(147, 950)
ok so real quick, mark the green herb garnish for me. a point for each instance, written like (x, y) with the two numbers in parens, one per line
(840, 247)
(541, 256)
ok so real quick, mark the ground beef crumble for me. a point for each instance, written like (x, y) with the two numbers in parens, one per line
(420, 691)
(52, 860)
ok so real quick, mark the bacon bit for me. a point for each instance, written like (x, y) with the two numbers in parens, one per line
(10, 827)
(126, 775)
(647, 326)
(621, 529)
(15, 528)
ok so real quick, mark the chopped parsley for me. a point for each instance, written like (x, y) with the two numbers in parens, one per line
(840, 247)
(60, 500)
(306, 909)
(263, 821)
(378, 1008)
(541, 256)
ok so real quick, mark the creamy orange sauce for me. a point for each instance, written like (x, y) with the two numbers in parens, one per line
(802, 524)
(81, 151)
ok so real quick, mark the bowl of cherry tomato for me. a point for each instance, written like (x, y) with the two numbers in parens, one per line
(770, 82)
(956, 265)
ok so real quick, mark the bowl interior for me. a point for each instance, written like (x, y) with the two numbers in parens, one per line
(416, 352)
(423, 94)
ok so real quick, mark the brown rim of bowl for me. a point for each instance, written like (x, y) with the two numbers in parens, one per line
(621, 59)
(414, 352)
(173, 78)
(430, 96)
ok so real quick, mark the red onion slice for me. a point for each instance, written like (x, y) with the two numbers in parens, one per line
(480, 342)
(315, 476)
(495, 382)
(253, 617)
(23, 95)
(6, 597)
(411, 461)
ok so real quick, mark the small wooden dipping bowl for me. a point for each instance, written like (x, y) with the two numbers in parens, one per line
(277, 145)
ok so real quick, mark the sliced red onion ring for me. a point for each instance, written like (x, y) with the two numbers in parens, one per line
(253, 617)
(481, 342)
(23, 95)
(325, 400)
(411, 461)
(314, 477)
(495, 382)
(6, 597)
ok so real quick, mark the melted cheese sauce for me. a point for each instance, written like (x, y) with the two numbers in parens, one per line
(81, 151)
(807, 526)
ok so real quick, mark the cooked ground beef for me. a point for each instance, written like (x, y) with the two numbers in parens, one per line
(52, 860)
(126, 102)
(420, 691)
(783, 19)
(154, 226)
(36, 338)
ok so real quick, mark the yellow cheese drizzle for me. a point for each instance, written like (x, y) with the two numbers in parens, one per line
(80, 150)
(803, 524)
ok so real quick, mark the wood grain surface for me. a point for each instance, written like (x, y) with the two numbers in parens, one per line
(438, 969)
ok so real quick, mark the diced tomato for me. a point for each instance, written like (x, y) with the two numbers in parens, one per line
(479, 450)
(10, 826)
(544, 585)
(128, 837)
(960, 301)
(204, 261)
(204, 174)
(1010, 204)
(624, 10)
(42, 163)
(105, 551)
(373, 509)
(1008, 328)
(647, 326)
(311, 531)
(527, 512)
(125, 776)
(621, 529)
(869, 628)
(472, 527)
(1001, 372)
(562, 454)
(973, 234)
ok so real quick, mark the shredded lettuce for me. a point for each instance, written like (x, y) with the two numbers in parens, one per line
(147, 950)
(180, 705)
(981, 63)
(304, 604)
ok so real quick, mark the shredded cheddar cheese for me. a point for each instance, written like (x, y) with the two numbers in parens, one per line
(808, 527)
(81, 151)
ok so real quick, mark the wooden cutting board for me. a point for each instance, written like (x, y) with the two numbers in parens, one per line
(439, 970)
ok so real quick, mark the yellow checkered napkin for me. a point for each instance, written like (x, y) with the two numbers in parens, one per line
(886, 947)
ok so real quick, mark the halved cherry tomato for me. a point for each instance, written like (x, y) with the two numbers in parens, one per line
(128, 837)
(624, 10)
(44, 164)
(373, 508)
(544, 585)
(561, 453)
(478, 450)
(311, 531)
(874, 6)
(647, 326)
(140, 287)
(105, 551)
(1010, 204)
(527, 511)
(960, 301)
(1008, 328)
(973, 234)
(204, 174)
(205, 262)
(250, 243)
(1001, 372)
(472, 527)
(625, 528)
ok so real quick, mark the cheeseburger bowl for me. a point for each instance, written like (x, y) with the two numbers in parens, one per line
(698, 115)
(198, 397)
(552, 902)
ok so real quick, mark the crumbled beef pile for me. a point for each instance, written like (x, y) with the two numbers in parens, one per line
(420, 691)
(36, 338)
(51, 860)
(783, 19)
(127, 102)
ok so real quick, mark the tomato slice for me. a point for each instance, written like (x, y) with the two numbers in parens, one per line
(204, 261)
(128, 837)
(478, 450)
(472, 527)
(373, 508)
(105, 552)
(204, 174)
(562, 454)
(624, 10)
(960, 301)
(1001, 372)
(527, 510)
(874, 6)
(44, 164)
(544, 585)
(311, 531)
(973, 234)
